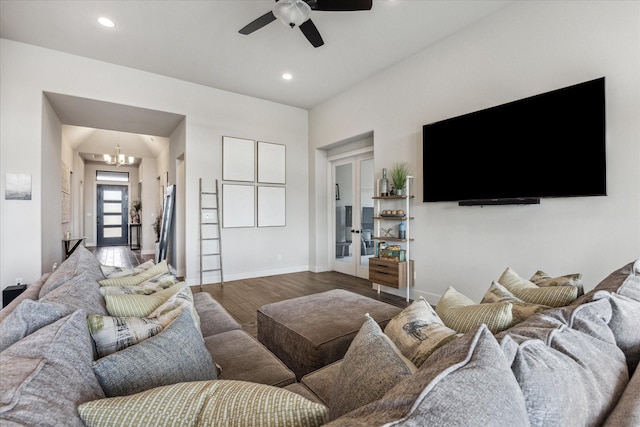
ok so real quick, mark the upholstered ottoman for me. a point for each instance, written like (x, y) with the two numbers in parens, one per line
(310, 332)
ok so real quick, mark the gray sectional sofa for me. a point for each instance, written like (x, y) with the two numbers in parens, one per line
(571, 365)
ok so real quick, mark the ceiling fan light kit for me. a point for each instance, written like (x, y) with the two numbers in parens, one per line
(296, 13)
(292, 12)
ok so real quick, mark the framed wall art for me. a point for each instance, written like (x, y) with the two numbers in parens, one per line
(272, 206)
(238, 206)
(271, 163)
(238, 159)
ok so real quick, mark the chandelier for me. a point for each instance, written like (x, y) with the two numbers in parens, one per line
(119, 159)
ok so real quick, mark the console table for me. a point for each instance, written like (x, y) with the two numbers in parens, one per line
(134, 243)
(66, 243)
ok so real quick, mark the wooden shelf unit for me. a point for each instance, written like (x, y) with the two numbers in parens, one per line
(391, 273)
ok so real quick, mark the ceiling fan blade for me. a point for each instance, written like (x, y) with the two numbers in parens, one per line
(312, 34)
(255, 25)
(340, 5)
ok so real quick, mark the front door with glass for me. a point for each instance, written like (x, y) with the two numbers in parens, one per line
(112, 216)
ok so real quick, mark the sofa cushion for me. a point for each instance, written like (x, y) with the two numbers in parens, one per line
(552, 296)
(134, 305)
(242, 357)
(77, 293)
(46, 375)
(173, 306)
(542, 279)
(32, 292)
(176, 354)
(111, 334)
(418, 331)
(214, 318)
(80, 261)
(463, 315)
(136, 279)
(520, 310)
(81, 292)
(568, 365)
(320, 382)
(625, 325)
(627, 410)
(372, 365)
(466, 382)
(206, 403)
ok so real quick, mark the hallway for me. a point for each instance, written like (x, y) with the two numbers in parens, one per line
(120, 256)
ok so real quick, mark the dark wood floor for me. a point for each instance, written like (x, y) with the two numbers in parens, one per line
(242, 298)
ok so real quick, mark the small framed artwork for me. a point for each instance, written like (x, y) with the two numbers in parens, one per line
(17, 186)
(271, 163)
(238, 159)
(238, 206)
(272, 206)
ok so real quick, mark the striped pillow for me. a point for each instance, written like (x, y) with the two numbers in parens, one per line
(199, 403)
(463, 315)
(122, 305)
(552, 296)
(520, 310)
(136, 279)
(542, 279)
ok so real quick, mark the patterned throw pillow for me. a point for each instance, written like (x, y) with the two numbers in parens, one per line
(520, 309)
(418, 331)
(139, 278)
(552, 296)
(463, 315)
(149, 287)
(371, 366)
(111, 271)
(542, 279)
(171, 308)
(216, 403)
(112, 334)
(138, 305)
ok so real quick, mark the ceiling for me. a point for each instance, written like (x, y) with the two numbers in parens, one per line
(198, 41)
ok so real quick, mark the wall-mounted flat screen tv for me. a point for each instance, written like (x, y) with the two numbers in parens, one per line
(547, 145)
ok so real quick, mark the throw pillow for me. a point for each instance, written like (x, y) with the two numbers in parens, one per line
(370, 367)
(81, 292)
(206, 403)
(48, 374)
(418, 331)
(136, 279)
(463, 315)
(542, 279)
(149, 287)
(520, 309)
(122, 305)
(555, 296)
(177, 354)
(111, 271)
(465, 383)
(173, 306)
(112, 334)
(27, 318)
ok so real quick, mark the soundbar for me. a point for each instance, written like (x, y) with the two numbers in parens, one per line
(489, 202)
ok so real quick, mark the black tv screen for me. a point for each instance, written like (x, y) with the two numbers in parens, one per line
(547, 145)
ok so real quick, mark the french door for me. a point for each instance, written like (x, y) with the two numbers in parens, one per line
(111, 221)
(353, 183)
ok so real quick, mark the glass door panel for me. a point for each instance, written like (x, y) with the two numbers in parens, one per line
(112, 202)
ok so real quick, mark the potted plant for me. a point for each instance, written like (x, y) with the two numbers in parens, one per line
(136, 206)
(399, 174)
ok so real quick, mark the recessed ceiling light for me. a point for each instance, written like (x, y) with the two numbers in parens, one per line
(106, 22)
(287, 76)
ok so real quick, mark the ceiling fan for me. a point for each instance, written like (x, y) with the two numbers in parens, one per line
(296, 13)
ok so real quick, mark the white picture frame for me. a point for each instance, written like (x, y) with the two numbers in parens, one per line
(238, 159)
(272, 206)
(238, 206)
(272, 163)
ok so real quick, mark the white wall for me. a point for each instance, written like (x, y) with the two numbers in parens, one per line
(27, 135)
(527, 48)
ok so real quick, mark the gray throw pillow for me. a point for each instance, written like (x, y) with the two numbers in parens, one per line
(371, 366)
(27, 318)
(467, 382)
(177, 354)
(49, 376)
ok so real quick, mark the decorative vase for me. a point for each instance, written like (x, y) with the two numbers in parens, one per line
(384, 184)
